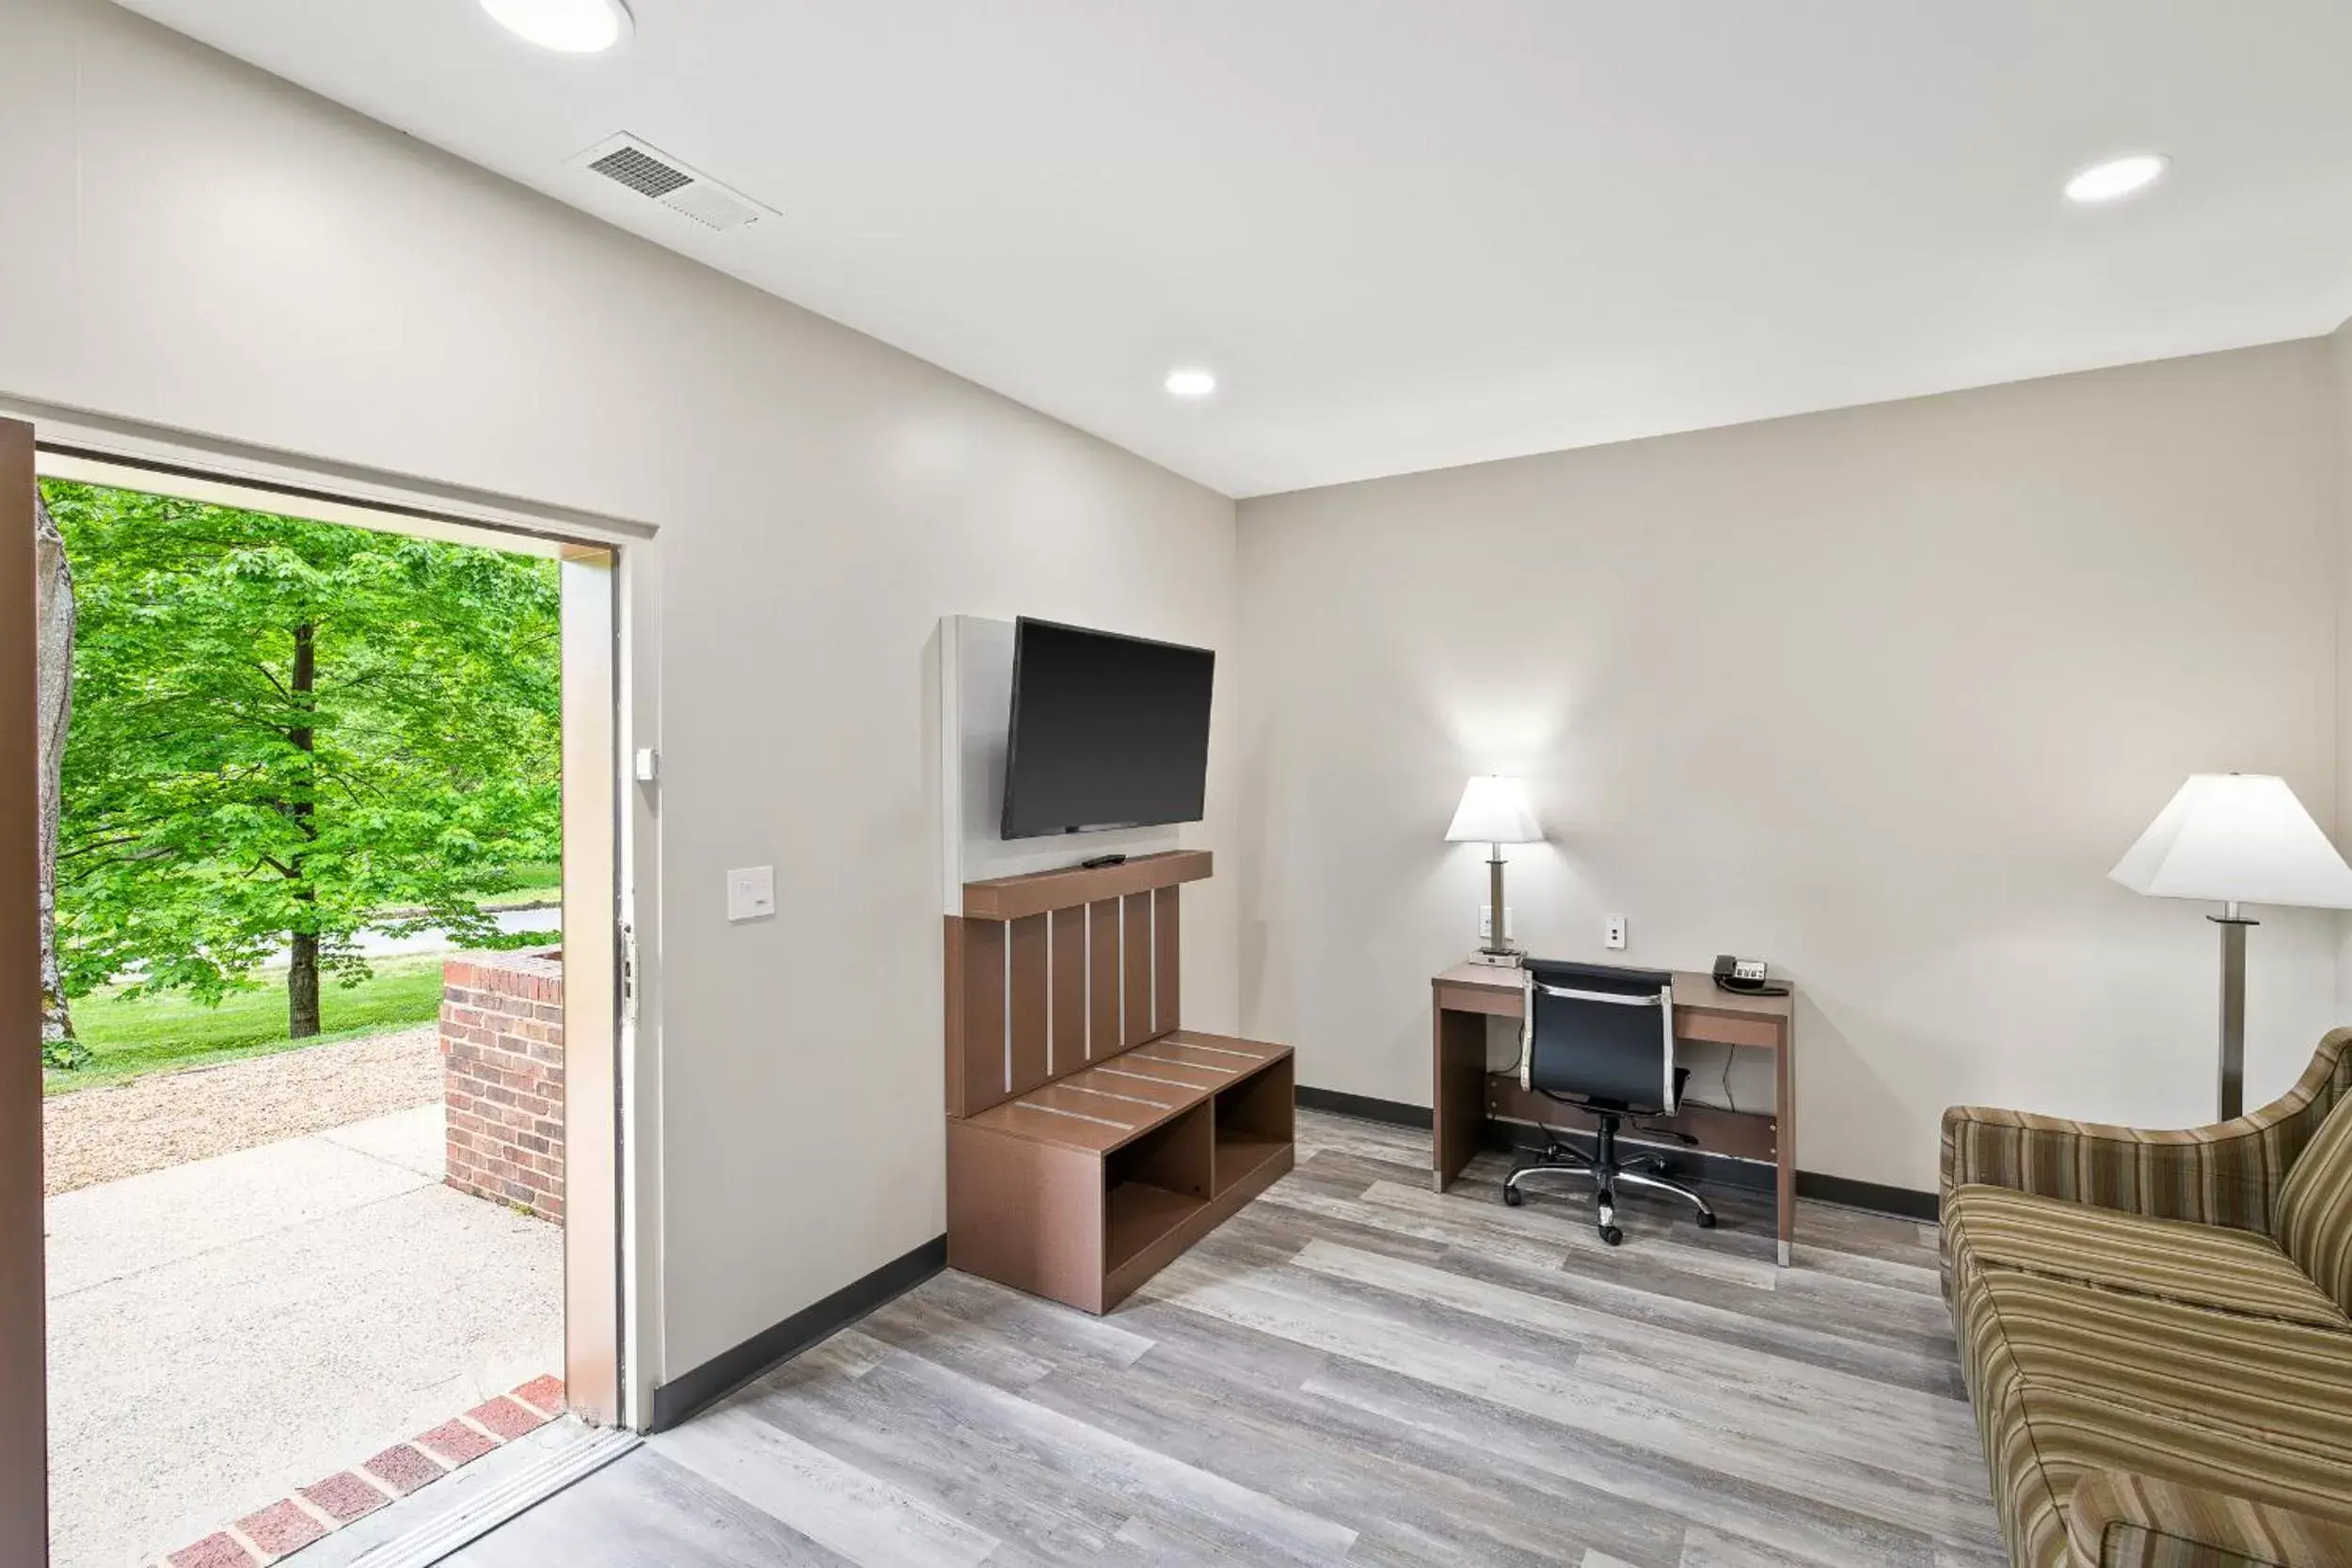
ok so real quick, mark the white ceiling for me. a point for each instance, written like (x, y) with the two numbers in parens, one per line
(1411, 233)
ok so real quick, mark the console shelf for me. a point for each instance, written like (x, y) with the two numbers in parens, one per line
(1090, 1139)
(1082, 1190)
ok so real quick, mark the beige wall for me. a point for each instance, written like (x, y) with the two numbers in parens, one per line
(1879, 695)
(191, 242)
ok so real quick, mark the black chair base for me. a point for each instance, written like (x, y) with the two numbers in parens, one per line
(1606, 1172)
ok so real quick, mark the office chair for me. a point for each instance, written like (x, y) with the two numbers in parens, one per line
(1601, 1040)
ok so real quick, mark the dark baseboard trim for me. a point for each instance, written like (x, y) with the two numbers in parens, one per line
(1906, 1202)
(1365, 1108)
(1903, 1202)
(723, 1374)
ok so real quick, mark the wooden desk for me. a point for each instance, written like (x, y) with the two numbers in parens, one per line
(1465, 1096)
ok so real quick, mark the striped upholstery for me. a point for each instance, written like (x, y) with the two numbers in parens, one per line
(2227, 1174)
(2119, 1520)
(2158, 1382)
(2201, 1265)
(2315, 1209)
(2068, 1380)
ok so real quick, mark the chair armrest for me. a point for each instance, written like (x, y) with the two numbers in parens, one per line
(2225, 1174)
(2119, 1520)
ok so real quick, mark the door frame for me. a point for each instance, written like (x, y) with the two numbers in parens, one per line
(611, 1296)
(24, 1296)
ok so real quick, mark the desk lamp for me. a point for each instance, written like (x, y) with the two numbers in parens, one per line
(1494, 811)
(2236, 838)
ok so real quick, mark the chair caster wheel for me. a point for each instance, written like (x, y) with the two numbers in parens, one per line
(1511, 1198)
(1612, 1235)
(1707, 1219)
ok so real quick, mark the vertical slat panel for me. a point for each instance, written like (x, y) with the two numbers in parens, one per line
(1068, 1040)
(24, 1400)
(1027, 979)
(1166, 1011)
(1138, 965)
(951, 950)
(1102, 1028)
(983, 1014)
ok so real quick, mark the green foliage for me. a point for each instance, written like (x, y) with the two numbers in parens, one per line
(503, 941)
(283, 728)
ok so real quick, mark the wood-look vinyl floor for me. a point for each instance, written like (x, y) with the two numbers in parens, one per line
(1357, 1371)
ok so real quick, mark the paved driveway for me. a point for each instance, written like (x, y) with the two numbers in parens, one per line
(223, 1331)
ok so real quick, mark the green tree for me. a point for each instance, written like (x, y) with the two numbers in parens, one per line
(286, 731)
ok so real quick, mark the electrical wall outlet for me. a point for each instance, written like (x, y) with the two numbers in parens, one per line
(1612, 931)
(1487, 922)
(752, 893)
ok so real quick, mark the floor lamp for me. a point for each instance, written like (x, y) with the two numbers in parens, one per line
(2235, 839)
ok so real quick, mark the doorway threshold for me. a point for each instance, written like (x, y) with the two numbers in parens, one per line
(427, 1526)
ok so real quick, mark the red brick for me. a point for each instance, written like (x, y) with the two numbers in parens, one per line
(456, 1442)
(345, 1496)
(404, 1469)
(506, 1418)
(218, 1550)
(283, 1527)
(543, 1393)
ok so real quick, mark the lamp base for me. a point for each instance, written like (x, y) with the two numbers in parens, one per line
(1501, 960)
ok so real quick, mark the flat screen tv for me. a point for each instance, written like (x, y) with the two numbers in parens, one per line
(1106, 731)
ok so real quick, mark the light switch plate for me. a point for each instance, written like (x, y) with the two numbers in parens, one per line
(1486, 921)
(1612, 931)
(750, 893)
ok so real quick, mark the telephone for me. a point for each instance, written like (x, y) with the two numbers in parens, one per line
(1746, 975)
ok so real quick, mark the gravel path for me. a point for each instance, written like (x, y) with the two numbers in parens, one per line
(103, 1134)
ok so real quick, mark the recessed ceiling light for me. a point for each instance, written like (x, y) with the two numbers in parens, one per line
(1191, 382)
(2117, 177)
(567, 26)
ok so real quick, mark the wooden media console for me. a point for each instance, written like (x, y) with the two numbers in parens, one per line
(1090, 1139)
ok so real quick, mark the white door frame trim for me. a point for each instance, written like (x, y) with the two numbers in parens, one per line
(82, 443)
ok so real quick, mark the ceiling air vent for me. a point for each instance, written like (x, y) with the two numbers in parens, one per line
(657, 176)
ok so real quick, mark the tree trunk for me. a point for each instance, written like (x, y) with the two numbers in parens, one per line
(54, 695)
(302, 969)
(302, 988)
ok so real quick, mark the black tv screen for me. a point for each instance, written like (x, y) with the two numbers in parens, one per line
(1106, 731)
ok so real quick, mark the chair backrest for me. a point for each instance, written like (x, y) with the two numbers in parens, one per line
(1599, 1032)
(2315, 1223)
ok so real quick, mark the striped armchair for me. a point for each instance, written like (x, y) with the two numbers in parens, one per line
(2153, 1328)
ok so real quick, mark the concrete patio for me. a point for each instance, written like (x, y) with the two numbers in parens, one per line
(223, 1331)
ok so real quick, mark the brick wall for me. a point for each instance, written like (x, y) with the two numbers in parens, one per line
(502, 1056)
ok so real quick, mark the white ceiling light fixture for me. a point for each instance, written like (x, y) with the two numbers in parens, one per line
(566, 26)
(1191, 382)
(2117, 177)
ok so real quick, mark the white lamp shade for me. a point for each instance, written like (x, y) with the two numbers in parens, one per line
(1494, 809)
(2237, 836)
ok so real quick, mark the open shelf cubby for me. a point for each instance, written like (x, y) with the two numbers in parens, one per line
(1253, 1123)
(1155, 1183)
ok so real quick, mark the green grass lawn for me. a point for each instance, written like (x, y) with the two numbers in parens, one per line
(157, 1033)
(535, 884)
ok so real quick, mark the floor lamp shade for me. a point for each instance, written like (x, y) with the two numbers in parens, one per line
(2237, 838)
(2233, 839)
